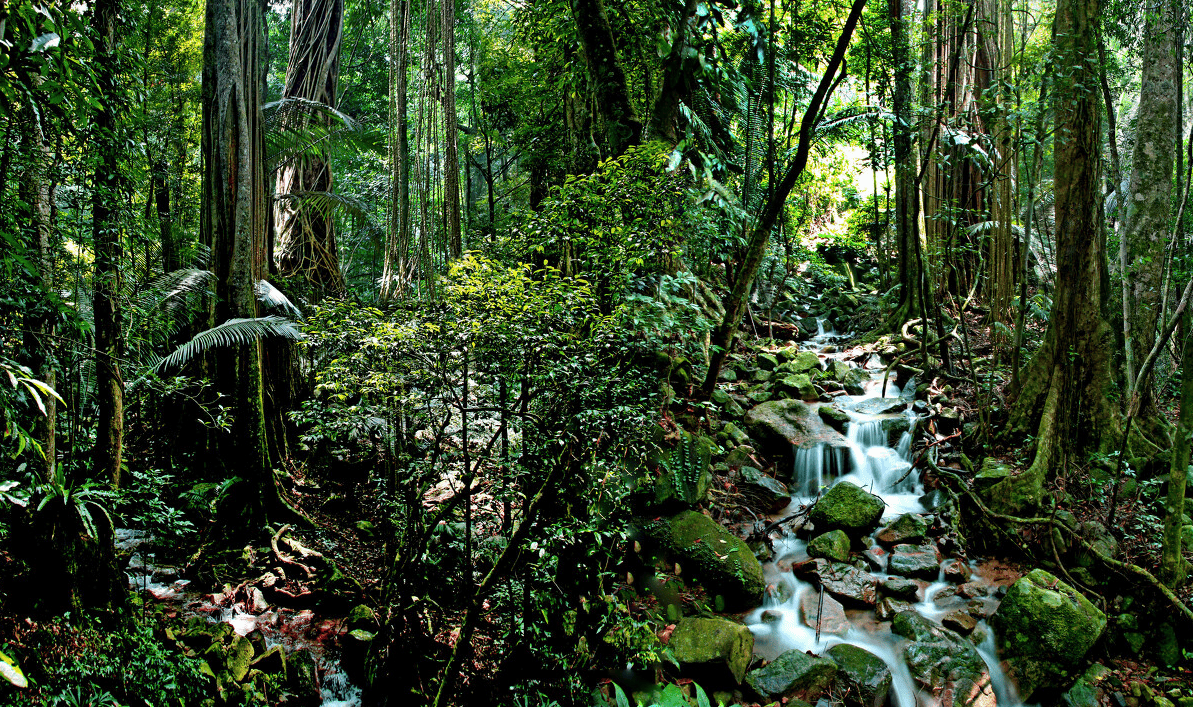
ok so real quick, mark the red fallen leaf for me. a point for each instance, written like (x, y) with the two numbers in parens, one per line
(665, 634)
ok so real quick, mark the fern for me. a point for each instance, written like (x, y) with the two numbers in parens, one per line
(234, 332)
(686, 466)
(273, 299)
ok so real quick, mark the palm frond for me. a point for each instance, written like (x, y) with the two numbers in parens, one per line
(234, 332)
(325, 202)
(297, 127)
(273, 299)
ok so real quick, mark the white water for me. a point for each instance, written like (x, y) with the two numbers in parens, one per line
(867, 461)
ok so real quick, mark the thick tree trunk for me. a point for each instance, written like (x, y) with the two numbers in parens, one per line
(1063, 399)
(907, 203)
(232, 223)
(606, 80)
(105, 229)
(675, 88)
(737, 300)
(1150, 193)
(306, 235)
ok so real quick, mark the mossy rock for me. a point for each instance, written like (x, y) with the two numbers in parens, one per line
(715, 648)
(362, 617)
(863, 677)
(847, 507)
(793, 675)
(1006, 491)
(834, 417)
(942, 661)
(833, 545)
(271, 662)
(1044, 629)
(779, 426)
(798, 385)
(767, 362)
(719, 560)
(801, 362)
(910, 528)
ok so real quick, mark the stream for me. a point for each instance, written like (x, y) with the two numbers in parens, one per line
(868, 461)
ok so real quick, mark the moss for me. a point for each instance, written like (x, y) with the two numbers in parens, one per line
(722, 562)
(847, 507)
(833, 545)
(794, 674)
(713, 644)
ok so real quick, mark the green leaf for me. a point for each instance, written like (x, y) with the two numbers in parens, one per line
(12, 672)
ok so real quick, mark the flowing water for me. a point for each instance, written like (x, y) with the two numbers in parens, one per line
(867, 460)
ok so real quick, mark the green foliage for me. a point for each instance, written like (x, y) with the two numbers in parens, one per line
(686, 466)
(234, 332)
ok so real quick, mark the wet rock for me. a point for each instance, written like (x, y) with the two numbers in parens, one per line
(774, 493)
(1044, 629)
(972, 590)
(877, 557)
(863, 677)
(849, 583)
(833, 545)
(878, 406)
(362, 617)
(767, 362)
(720, 560)
(901, 588)
(797, 385)
(890, 607)
(793, 675)
(770, 616)
(302, 678)
(834, 417)
(779, 426)
(716, 648)
(739, 457)
(910, 528)
(957, 572)
(830, 613)
(960, 621)
(946, 666)
(727, 374)
(800, 361)
(848, 507)
(920, 561)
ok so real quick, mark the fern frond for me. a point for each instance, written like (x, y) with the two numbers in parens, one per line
(273, 299)
(234, 332)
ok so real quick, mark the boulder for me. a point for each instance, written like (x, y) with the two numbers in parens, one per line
(877, 557)
(800, 361)
(793, 675)
(848, 376)
(960, 621)
(767, 362)
(910, 528)
(901, 588)
(779, 426)
(847, 507)
(829, 612)
(715, 648)
(1044, 628)
(718, 559)
(833, 545)
(957, 572)
(834, 417)
(798, 385)
(849, 583)
(919, 561)
(864, 677)
(889, 608)
(878, 406)
(773, 493)
(946, 666)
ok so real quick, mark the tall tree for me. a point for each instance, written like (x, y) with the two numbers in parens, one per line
(1150, 191)
(232, 224)
(106, 236)
(306, 235)
(907, 196)
(607, 88)
(397, 241)
(451, 133)
(1063, 399)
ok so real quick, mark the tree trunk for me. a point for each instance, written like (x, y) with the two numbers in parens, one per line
(737, 300)
(907, 202)
(675, 88)
(451, 133)
(1063, 398)
(1150, 192)
(105, 229)
(606, 80)
(306, 235)
(397, 243)
(232, 223)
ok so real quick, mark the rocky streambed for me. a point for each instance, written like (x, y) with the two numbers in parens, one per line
(859, 591)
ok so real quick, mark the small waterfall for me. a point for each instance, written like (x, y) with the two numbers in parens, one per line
(338, 691)
(816, 467)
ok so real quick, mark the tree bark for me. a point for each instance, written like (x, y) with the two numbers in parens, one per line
(397, 243)
(907, 202)
(675, 87)
(737, 300)
(606, 80)
(1173, 568)
(1063, 399)
(106, 237)
(1150, 192)
(306, 235)
(232, 223)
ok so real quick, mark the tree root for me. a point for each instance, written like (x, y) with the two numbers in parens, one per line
(285, 559)
(1123, 567)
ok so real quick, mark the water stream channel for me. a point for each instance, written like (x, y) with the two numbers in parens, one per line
(787, 619)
